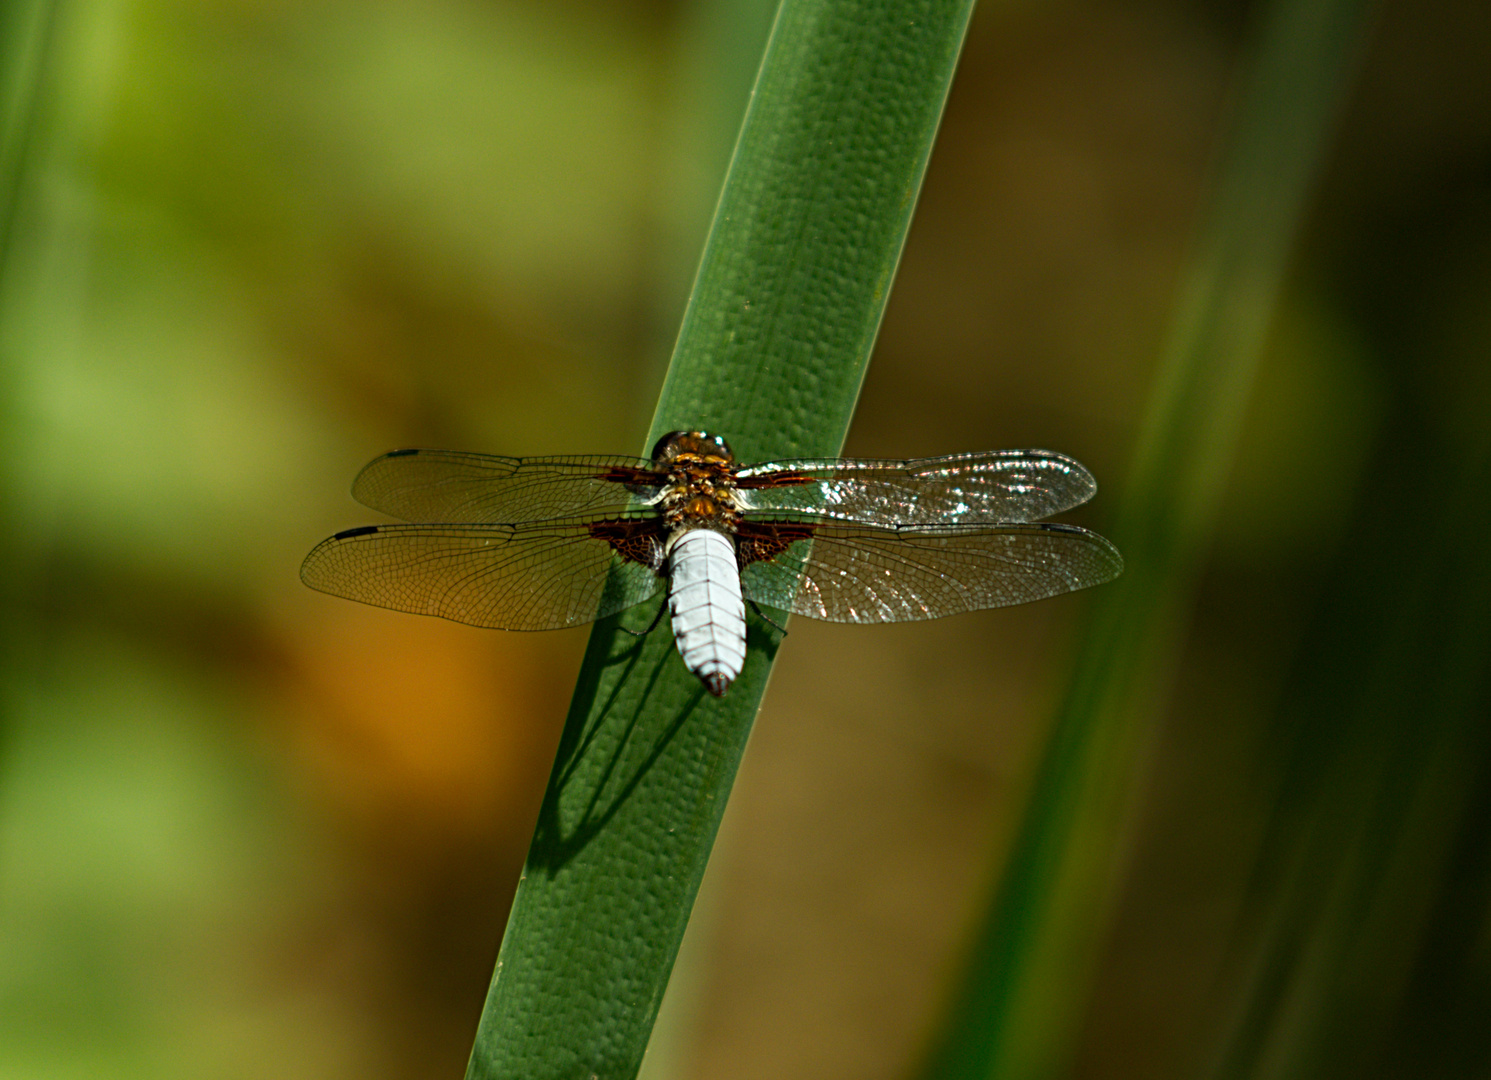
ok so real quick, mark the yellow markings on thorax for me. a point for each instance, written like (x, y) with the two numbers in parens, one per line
(700, 493)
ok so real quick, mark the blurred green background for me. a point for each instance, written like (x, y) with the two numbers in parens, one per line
(249, 830)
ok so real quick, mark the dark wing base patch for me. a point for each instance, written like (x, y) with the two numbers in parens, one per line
(760, 541)
(637, 540)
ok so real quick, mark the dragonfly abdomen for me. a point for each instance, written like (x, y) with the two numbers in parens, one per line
(706, 608)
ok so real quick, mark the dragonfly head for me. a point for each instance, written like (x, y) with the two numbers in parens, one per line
(699, 444)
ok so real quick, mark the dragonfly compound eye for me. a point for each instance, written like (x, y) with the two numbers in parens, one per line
(691, 443)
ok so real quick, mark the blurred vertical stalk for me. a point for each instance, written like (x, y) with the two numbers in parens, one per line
(1364, 952)
(1363, 948)
(26, 33)
(772, 351)
(26, 28)
(1019, 1010)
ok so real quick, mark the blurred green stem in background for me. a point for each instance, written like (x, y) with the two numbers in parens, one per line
(1363, 947)
(25, 34)
(1019, 1012)
(26, 37)
(771, 354)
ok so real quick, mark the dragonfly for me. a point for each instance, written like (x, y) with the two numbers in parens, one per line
(545, 543)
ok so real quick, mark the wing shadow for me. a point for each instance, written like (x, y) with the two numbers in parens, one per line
(604, 785)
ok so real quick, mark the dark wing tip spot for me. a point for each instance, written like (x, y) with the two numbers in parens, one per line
(400, 453)
(361, 530)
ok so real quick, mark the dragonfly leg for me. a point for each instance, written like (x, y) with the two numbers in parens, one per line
(655, 620)
(766, 618)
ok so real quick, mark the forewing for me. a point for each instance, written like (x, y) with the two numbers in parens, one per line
(847, 573)
(1004, 486)
(453, 486)
(511, 577)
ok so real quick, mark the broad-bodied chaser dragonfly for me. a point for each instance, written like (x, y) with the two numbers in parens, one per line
(544, 543)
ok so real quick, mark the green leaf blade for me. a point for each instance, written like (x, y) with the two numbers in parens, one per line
(807, 236)
(771, 354)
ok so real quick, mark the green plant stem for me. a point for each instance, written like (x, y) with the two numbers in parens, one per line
(771, 354)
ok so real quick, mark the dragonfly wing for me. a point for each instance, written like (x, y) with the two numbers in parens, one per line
(857, 574)
(1004, 486)
(453, 486)
(510, 577)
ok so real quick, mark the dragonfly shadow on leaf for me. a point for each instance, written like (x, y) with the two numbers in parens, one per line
(601, 764)
(765, 630)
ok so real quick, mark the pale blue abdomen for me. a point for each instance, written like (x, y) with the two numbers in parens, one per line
(706, 608)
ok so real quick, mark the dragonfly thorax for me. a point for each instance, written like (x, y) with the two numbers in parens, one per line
(701, 489)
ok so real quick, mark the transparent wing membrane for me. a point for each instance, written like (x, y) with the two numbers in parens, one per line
(1006, 486)
(510, 577)
(855, 574)
(450, 486)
